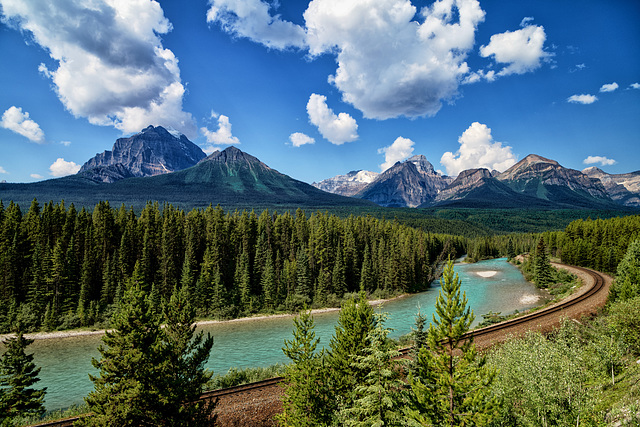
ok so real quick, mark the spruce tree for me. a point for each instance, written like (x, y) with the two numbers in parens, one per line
(128, 390)
(18, 374)
(542, 267)
(306, 401)
(451, 387)
(183, 372)
(379, 399)
(355, 322)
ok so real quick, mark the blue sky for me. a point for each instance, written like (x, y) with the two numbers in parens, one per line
(316, 89)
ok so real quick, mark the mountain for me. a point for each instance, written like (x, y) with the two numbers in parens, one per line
(622, 188)
(405, 184)
(230, 178)
(154, 151)
(533, 182)
(478, 188)
(347, 185)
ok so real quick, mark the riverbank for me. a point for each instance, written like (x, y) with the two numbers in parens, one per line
(81, 332)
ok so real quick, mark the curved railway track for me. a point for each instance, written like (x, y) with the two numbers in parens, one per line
(543, 320)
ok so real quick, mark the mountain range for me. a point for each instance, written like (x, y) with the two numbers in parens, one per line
(159, 165)
(533, 182)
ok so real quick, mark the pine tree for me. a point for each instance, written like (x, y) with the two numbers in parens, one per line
(306, 401)
(379, 399)
(128, 390)
(183, 372)
(355, 322)
(18, 374)
(542, 267)
(451, 390)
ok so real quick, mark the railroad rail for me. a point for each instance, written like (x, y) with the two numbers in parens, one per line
(529, 321)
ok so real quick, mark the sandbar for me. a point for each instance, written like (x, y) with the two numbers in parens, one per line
(529, 299)
(488, 273)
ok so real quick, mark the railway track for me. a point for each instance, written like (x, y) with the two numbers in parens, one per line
(491, 334)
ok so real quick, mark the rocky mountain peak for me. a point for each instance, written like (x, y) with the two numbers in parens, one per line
(405, 184)
(231, 154)
(348, 184)
(153, 151)
(421, 163)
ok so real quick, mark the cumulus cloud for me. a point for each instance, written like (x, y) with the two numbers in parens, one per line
(401, 149)
(251, 19)
(635, 85)
(65, 143)
(298, 139)
(36, 176)
(582, 99)
(63, 168)
(392, 60)
(521, 50)
(591, 160)
(609, 87)
(3, 170)
(478, 150)
(17, 121)
(111, 67)
(336, 129)
(222, 135)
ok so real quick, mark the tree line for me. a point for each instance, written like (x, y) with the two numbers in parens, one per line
(62, 268)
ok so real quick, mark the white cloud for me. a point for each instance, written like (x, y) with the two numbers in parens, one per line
(251, 19)
(17, 121)
(635, 85)
(526, 21)
(609, 87)
(36, 176)
(298, 139)
(111, 65)
(3, 170)
(65, 143)
(336, 129)
(393, 61)
(401, 149)
(221, 136)
(478, 150)
(63, 168)
(582, 99)
(599, 159)
(521, 50)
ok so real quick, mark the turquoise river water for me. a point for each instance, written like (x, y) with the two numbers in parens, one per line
(493, 285)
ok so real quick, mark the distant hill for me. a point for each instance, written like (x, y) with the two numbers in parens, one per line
(230, 178)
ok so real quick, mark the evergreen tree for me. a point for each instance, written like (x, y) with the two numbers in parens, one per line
(306, 399)
(18, 374)
(451, 390)
(128, 390)
(183, 372)
(542, 267)
(355, 322)
(379, 399)
(627, 283)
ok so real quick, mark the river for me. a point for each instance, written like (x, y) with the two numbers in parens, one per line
(493, 285)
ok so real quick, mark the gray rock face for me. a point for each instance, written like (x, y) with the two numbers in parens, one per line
(622, 188)
(534, 174)
(154, 151)
(347, 185)
(405, 184)
(465, 182)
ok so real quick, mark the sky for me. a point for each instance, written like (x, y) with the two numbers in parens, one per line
(319, 88)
